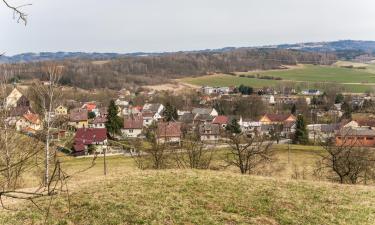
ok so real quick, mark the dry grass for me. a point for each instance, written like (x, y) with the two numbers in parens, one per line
(131, 196)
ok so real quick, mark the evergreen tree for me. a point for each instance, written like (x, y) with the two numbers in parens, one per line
(339, 98)
(293, 110)
(219, 108)
(114, 122)
(233, 127)
(170, 113)
(91, 115)
(346, 107)
(301, 134)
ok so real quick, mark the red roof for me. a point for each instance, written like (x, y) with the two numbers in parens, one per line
(88, 136)
(32, 118)
(99, 120)
(133, 123)
(89, 106)
(220, 120)
(170, 129)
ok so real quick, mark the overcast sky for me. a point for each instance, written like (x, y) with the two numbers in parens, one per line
(171, 25)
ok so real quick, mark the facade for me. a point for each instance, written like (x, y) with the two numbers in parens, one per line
(12, 99)
(78, 119)
(29, 123)
(61, 111)
(277, 118)
(355, 137)
(209, 132)
(98, 122)
(85, 137)
(132, 127)
(169, 132)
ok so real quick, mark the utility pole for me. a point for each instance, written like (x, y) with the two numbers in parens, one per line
(288, 152)
(105, 161)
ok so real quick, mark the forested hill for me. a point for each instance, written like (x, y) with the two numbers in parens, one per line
(146, 70)
(345, 49)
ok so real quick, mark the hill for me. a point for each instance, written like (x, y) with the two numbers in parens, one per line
(346, 49)
(205, 197)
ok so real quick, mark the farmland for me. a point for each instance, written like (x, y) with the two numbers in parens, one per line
(352, 80)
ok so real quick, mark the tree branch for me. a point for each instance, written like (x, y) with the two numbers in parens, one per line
(17, 13)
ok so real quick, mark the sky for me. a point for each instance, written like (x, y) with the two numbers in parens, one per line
(125, 26)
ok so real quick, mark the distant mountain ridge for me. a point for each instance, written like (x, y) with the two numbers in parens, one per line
(343, 48)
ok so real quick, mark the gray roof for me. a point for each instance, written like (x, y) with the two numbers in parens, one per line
(348, 131)
(187, 118)
(202, 111)
(209, 129)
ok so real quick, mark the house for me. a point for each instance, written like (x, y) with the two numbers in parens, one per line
(312, 92)
(148, 118)
(269, 99)
(321, 132)
(205, 111)
(85, 137)
(361, 123)
(156, 108)
(251, 126)
(277, 118)
(222, 121)
(203, 118)
(98, 122)
(120, 102)
(16, 113)
(12, 98)
(355, 137)
(78, 118)
(209, 132)
(133, 126)
(89, 106)
(208, 90)
(169, 132)
(187, 118)
(29, 123)
(61, 110)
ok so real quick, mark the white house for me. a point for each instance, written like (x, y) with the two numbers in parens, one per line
(29, 123)
(132, 127)
(156, 108)
(205, 111)
(12, 99)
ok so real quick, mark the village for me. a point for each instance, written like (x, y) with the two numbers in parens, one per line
(80, 128)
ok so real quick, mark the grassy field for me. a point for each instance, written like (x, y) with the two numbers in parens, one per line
(128, 195)
(353, 80)
(204, 197)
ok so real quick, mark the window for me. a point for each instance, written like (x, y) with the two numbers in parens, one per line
(131, 131)
(370, 138)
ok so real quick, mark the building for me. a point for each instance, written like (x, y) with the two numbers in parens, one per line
(277, 118)
(133, 126)
(169, 132)
(98, 122)
(29, 123)
(86, 137)
(355, 137)
(156, 108)
(12, 99)
(209, 132)
(78, 118)
(312, 92)
(205, 111)
(321, 132)
(222, 121)
(61, 111)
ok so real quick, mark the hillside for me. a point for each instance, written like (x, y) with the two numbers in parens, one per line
(206, 197)
(351, 80)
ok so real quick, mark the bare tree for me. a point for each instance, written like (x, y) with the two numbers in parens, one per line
(346, 163)
(246, 153)
(47, 94)
(18, 13)
(194, 153)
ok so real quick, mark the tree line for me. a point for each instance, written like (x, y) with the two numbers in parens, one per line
(148, 70)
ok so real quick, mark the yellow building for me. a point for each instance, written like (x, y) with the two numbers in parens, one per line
(61, 111)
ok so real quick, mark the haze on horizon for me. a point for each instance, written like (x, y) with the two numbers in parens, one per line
(169, 25)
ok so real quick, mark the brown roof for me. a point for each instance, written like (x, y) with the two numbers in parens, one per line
(278, 117)
(209, 129)
(366, 123)
(220, 120)
(169, 129)
(32, 118)
(348, 131)
(19, 111)
(100, 119)
(133, 123)
(79, 115)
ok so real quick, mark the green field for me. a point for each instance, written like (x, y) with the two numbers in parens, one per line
(352, 80)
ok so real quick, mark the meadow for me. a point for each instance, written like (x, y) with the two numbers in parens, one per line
(128, 195)
(351, 80)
